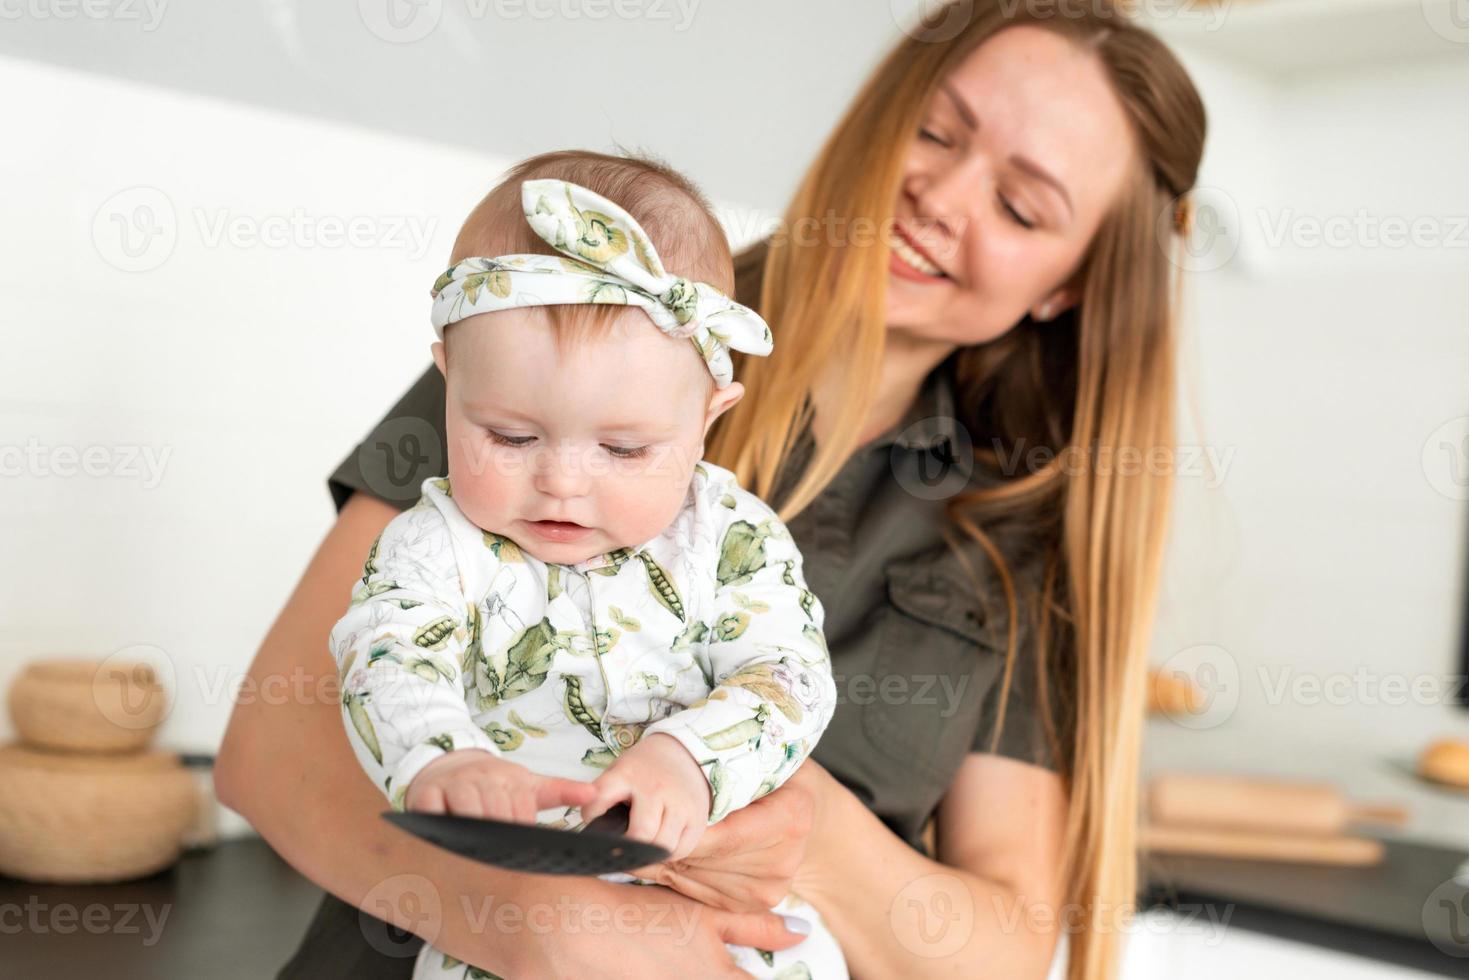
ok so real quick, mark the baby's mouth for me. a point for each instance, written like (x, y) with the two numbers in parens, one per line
(558, 530)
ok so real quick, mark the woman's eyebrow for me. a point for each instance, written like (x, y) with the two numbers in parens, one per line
(1035, 170)
(1021, 163)
(965, 113)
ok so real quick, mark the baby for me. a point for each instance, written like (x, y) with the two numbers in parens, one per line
(585, 612)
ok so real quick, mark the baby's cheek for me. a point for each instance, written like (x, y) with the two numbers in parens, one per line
(484, 492)
(639, 507)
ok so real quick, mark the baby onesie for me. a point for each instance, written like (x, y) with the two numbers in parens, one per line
(455, 638)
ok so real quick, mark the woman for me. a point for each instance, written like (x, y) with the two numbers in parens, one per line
(989, 643)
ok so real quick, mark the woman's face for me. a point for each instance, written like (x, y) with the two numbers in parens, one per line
(1016, 159)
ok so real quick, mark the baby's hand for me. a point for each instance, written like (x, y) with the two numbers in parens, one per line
(668, 793)
(476, 783)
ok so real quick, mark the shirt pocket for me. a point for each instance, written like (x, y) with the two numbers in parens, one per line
(932, 668)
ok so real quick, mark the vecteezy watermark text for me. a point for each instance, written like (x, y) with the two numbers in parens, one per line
(123, 918)
(36, 459)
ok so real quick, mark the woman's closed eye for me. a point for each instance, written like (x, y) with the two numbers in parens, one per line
(1014, 215)
(932, 137)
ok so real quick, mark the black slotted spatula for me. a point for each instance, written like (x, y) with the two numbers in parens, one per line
(601, 847)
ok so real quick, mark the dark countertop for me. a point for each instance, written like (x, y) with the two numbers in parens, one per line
(231, 911)
(1410, 910)
(237, 911)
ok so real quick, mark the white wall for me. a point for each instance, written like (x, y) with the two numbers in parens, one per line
(1334, 378)
(238, 369)
(1319, 374)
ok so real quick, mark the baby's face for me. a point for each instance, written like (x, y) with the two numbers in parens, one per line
(603, 436)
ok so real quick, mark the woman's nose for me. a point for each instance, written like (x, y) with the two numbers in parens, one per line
(944, 197)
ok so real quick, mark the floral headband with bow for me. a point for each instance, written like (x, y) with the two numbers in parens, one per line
(608, 259)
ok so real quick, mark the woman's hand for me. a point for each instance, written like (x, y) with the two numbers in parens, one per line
(575, 928)
(746, 862)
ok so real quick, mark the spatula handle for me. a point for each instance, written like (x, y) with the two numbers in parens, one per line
(613, 822)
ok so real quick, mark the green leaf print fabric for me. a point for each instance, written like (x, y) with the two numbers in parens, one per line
(606, 257)
(774, 692)
(399, 650)
(454, 638)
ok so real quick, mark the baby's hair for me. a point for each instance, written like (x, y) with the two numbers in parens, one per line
(671, 209)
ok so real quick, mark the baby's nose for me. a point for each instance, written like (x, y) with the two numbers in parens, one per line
(562, 471)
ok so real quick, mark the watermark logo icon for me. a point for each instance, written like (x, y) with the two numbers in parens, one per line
(933, 916)
(399, 456)
(410, 898)
(401, 21)
(922, 21)
(132, 687)
(1212, 674)
(1449, 19)
(1446, 458)
(934, 476)
(1213, 233)
(1446, 916)
(136, 229)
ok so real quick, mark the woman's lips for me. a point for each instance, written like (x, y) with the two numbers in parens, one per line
(558, 530)
(910, 262)
(905, 271)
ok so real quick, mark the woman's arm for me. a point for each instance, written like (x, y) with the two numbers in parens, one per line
(286, 765)
(988, 909)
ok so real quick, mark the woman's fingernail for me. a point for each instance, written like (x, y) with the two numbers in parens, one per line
(797, 925)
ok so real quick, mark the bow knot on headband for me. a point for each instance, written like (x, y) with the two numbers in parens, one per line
(606, 258)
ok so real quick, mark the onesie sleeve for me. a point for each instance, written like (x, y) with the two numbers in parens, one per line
(399, 651)
(773, 692)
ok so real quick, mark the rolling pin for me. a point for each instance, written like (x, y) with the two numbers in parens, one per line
(1244, 803)
(1261, 846)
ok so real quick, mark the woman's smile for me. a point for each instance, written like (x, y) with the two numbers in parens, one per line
(909, 262)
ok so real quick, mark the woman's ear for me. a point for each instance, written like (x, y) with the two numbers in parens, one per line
(1057, 301)
(722, 401)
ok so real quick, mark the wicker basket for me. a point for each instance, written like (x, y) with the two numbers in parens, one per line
(92, 818)
(76, 705)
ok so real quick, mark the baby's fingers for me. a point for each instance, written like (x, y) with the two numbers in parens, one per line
(429, 799)
(687, 841)
(563, 792)
(464, 799)
(646, 819)
(523, 804)
(607, 792)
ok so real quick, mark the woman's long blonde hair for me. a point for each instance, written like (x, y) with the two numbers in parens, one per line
(1095, 380)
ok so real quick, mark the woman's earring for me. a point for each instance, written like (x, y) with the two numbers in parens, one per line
(1044, 313)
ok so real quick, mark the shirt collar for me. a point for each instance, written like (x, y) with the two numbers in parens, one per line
(608, 559)
(929, 423)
